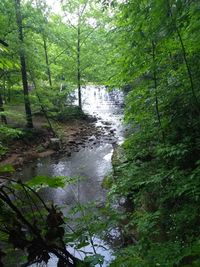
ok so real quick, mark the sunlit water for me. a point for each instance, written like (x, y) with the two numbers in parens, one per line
(91, 163)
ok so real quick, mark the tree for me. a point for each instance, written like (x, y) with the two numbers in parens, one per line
(86, 24)
(43, 10)
(23, 64)
(3, 117)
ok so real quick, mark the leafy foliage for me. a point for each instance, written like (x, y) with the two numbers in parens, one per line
(40, 230)
(160, 177)
(45, 181)
(153, 50)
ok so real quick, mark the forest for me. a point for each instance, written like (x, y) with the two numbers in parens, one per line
(100, 133)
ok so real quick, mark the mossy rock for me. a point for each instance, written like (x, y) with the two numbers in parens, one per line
(40, 149)
(107, 182)
(119, 156)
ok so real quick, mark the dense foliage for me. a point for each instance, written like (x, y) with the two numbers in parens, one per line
(159, 59)
(151, 50)
(45, 56)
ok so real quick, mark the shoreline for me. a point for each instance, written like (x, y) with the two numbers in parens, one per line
(73, 135)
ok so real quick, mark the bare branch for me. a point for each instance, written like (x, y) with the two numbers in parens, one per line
(87, 36)
(84, 7)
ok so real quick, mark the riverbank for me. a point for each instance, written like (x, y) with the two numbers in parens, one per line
(40, 142)
(86, 149)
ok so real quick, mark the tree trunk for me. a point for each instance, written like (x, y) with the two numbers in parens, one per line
(4, 90)
(188, 68)
(156, 87)
(3, 117)
(47, 61)
(78, 65)
(44, 110)
(23, 65)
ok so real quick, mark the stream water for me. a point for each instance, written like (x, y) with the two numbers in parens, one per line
(92, 162)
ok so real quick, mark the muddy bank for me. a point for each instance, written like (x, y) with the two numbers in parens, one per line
(40, 142)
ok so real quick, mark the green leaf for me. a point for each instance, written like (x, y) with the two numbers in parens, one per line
(8, 168)
(94, 260)
(53, 182)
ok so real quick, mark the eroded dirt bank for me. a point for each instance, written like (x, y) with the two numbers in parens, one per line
(40, 142)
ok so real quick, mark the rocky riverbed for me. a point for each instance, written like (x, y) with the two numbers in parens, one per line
(72, 136)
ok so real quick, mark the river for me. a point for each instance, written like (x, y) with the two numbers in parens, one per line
(91, 163)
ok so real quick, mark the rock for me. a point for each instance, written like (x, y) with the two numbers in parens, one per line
(79, 142)
(72, 142)
(107, 127)
(91, 119)
(100, 205)
(46, 153)
(112, 131)
(40, 148)
(19, 161)
(107, 123)
(74, 134)
(46, 144)
(69, 153)
(92, 138)
(55, 143)
(122, 201)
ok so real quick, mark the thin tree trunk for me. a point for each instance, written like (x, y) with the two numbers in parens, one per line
(7, 91)
(187, 67)
(9, 95)
(23, 65)
(43, 108)
(156, 87)
(189, 72)
(45, 114)
(78, 65)
(4, 89)
(47, 61)
(3, 117)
